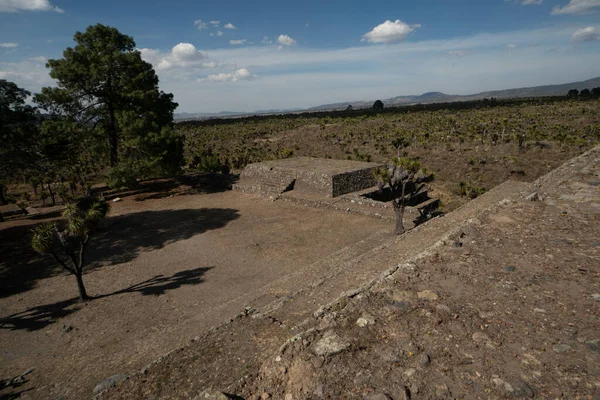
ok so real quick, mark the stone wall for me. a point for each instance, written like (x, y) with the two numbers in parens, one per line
(315, 176)
(353, 181)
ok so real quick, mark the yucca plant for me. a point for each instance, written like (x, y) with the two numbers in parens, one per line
(405, 178)
(66, 240)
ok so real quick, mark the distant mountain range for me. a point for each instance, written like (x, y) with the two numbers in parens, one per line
(425, 98)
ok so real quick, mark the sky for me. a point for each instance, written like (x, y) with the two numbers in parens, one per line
(249, 55)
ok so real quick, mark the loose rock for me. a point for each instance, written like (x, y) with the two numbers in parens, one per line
(482, 338)
(443, 309)
(534, 197)
(503, 385)
(561, 348)
(365, 320)
(427, 295)
(330, 344)
(410, 372)
(402, 295)
(110, 382)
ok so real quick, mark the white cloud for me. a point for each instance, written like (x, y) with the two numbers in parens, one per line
(183, 55)
(237, 42)
(310, 76)
(229, 26)
(40, 59)
(214, 23)
(219, 33)
(285, 40)
(525, 2)
(578, 7)
(588, 34)
(200, 25)
(389, 32)
(148, 54)
(238, 75)
(266, 40)
(458, 53)
(511, 46)
(31, 75)
(186, 52)
(12, 6)
(9, 45)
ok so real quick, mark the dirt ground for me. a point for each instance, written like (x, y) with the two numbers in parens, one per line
(163, 270)
(505, 307)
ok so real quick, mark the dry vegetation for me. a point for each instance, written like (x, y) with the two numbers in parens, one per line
(469, 149)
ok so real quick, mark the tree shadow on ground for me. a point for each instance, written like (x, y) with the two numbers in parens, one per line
(120, 239)
(159, 284)
(189, 184)
(39, 317)
(186, 184)
(421, 219)
(10, 388)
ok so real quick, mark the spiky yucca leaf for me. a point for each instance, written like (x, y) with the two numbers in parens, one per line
(96, 212)
(43, 237)
(76, 225)
(70, 212)
(381, 174)
(409, 164)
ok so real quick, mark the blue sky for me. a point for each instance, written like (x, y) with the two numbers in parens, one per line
(266, 54)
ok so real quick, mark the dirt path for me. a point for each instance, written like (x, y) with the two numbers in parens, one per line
(167, 270)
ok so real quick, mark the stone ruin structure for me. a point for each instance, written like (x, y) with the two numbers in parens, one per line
(313, 176)
(344, 185)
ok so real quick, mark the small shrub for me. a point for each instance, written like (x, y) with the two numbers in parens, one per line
(122, 176)
(285, 153)
(471, 191)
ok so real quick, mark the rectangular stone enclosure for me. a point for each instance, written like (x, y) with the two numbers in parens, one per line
(317, 176)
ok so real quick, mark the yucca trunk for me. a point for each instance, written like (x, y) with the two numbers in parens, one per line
(399, 211)
(83, 296)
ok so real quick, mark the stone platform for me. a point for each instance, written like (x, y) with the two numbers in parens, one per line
(319, 176)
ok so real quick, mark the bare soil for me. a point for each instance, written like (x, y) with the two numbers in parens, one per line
(164, 268)
(504, 307)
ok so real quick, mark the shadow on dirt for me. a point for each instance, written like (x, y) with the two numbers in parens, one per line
(10, 388)
(41, 316)
(190, 184)
(186, 184)
(159, 284)
(120, 239)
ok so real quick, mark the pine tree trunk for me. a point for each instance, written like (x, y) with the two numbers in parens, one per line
(113, 141)
(51, 193)
(2, 198)
(399, 211)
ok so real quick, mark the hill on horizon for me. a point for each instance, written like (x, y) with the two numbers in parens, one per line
(425, 98)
